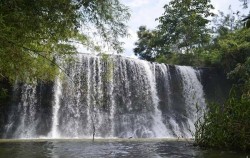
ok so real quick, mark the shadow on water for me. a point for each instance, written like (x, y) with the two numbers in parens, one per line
(146, 148)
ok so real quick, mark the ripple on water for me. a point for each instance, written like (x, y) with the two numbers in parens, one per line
(104, 148)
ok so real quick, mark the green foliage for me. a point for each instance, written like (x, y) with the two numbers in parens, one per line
(226, 126)
(183, 24)
(34, 34)
(145, 45)
(233, 50)
(163, 59)
(3, 93)
(110, 67)
(198, 58)
(228, 48)
(149, 46)
(178, 59)
(203, 46)
(182, 29)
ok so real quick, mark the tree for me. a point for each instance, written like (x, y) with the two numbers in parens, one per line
(180, 37)
(245, 2)
(227, 126)
(183, 26)
(34, 34)
(226, 23)
(147, 47)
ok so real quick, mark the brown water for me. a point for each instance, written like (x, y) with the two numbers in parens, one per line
(103, 148)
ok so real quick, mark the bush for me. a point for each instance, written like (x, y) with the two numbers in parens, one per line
(226, 126)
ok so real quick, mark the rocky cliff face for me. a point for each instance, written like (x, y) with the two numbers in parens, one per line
(216, 86)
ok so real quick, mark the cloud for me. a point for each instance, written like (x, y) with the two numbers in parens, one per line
(143, 12)
(224, 6)
(135, 3)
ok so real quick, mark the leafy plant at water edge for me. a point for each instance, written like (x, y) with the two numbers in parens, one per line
(225, 126)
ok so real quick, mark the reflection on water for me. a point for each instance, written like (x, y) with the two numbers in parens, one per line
(107, 149)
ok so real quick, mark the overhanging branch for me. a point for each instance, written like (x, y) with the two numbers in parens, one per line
(38, 52)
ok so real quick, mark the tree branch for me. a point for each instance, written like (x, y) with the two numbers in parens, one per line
(41, 55)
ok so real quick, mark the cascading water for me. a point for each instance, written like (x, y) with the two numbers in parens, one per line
(56, 107)
(27, 109)
(113, 96)
(159, 128)
(194, 99)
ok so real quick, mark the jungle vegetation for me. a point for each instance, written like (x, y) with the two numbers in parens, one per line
(34, 35)
(189, 33)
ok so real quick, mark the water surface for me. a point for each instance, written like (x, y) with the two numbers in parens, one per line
(103, 148)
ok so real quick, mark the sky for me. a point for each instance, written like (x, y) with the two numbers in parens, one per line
(144, 12)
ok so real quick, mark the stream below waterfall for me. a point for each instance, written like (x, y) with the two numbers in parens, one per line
(104, 148)
(116, 98)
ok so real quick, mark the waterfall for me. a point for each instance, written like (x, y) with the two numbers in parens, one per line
(56, 106)
(194, 97)
(159, 128)
(114, 97)
(26, 109)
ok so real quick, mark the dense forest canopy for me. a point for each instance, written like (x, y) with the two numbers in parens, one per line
(33, 34)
